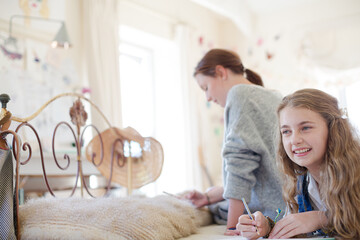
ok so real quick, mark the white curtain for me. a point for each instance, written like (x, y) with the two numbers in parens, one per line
(101, 47)
(203, 121)
(185, 39)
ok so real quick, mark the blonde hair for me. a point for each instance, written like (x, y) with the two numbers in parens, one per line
(339, 184)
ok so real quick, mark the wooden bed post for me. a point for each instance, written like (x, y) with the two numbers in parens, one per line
(78, 126)
(129, 175)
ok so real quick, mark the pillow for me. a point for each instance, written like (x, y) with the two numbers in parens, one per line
(161, 217)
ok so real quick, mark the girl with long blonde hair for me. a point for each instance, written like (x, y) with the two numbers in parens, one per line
(319, 157)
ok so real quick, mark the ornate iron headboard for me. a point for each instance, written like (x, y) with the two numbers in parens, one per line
(78, 118)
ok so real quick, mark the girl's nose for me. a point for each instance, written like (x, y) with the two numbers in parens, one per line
(296, 139)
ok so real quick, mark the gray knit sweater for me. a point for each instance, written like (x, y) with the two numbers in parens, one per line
(248, 152)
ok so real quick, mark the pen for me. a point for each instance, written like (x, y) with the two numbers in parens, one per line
(170, 194)
(249, 213)
(278, 211)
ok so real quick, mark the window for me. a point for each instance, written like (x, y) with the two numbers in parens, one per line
(152, 101)
(137, 88)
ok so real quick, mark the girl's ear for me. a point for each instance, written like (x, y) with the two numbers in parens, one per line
(221, 72)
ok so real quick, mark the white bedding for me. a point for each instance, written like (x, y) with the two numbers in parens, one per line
(216, 232)
(161, 217)
(211, 232)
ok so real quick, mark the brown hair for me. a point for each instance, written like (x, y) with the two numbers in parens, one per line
(339, 185)
(227, 59)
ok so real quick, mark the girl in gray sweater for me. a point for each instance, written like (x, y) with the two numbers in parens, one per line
(248, 151)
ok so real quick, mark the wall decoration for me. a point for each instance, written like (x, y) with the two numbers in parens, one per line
(10, 47)
(10, 54)
(208, 104)
(201, 40)
(34, 8)
(269, 55)
(39, 76)
(250, 51)
(217, 131)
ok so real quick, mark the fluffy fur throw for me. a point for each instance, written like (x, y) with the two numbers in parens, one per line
(161, 217)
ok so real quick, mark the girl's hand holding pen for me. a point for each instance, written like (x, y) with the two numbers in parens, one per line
(247, 227)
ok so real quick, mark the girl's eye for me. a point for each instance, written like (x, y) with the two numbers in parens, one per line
(306, 128)
(284, 132)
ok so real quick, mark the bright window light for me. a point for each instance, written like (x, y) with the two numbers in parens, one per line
(93, 182)
(137, 94)
(152, 101)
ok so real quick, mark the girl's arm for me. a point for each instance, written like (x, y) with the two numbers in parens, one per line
(299, 223)
(236, 209)
(215, 194)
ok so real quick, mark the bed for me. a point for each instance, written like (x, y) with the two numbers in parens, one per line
(83, 214)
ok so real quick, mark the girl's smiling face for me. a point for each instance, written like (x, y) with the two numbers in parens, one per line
(304, 135)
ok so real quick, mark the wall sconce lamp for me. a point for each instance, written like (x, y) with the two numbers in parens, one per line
(61, 39)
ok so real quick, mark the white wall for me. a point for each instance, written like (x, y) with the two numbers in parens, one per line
(41, 72)
(313, 37)
(160, 16)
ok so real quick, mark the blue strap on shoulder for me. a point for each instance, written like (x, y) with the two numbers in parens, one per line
(303, 199)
